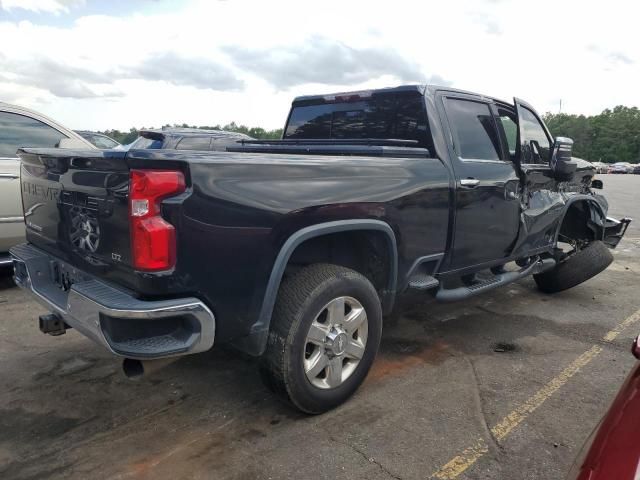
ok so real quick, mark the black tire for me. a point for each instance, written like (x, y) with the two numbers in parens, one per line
(579, 267)
(300, 299)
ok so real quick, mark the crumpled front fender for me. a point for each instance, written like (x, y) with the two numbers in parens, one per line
(541, 220)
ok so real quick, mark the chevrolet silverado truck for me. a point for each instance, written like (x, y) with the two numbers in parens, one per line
(294, 250)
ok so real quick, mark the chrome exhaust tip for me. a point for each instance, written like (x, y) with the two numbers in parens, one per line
(135, 369)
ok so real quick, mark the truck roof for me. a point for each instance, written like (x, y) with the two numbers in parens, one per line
(420, 88)
(185, 131)
(360, 93)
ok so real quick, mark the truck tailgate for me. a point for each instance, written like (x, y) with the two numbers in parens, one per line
(75, 205)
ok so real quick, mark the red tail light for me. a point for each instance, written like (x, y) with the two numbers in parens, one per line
(153, 239)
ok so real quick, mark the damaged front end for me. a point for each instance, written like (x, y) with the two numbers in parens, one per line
(614, 230)
(585, 220)
(568, 212)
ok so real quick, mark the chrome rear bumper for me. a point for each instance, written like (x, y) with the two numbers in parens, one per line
(125, 325)
(5, 259)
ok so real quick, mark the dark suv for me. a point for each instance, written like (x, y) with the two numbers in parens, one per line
(187, 139)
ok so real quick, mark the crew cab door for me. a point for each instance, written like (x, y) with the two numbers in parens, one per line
(487, 207)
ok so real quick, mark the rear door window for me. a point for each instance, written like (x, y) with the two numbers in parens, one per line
(508, 127)
(473, 129)
(21, 131)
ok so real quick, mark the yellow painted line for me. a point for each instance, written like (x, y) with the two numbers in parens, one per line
(460, 463)
(511, 421)
(610, 336)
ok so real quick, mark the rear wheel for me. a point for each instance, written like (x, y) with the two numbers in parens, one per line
(324, 336)
(577, 267)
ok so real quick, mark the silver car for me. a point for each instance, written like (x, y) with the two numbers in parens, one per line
(621, 167)
(600, 167)
(21, 127)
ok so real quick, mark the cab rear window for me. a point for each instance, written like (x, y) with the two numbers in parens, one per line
(383, 116)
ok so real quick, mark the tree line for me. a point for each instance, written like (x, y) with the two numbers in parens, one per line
(612, 136)
(255, 132)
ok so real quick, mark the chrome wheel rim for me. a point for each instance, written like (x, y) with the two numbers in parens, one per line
(335, 342)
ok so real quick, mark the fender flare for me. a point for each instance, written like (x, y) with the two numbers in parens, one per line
(260, 328)
(580, 198)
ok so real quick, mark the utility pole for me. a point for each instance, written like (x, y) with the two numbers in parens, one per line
(560, 109)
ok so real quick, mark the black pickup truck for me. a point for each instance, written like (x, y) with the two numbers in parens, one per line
(293, 250)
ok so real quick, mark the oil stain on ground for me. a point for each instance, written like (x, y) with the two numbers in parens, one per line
(398, 356)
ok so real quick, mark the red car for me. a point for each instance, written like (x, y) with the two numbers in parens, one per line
(613, 450)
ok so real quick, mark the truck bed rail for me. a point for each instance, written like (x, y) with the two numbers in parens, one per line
(395, 142)
(365, 146)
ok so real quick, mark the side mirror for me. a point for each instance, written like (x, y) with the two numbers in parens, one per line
(561, 164)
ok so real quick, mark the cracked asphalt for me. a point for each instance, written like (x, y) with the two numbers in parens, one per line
(445, 376)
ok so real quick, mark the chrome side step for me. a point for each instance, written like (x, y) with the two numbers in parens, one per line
(460, 293)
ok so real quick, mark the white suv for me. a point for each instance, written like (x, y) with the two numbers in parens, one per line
(21, 127)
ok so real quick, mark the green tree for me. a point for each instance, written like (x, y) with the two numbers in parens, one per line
(255, 132)
(612, 136)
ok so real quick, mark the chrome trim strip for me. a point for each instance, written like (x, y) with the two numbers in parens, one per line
(12, 219)
(87, 300)
(9, 175)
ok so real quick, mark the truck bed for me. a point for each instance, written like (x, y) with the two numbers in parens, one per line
(237, 211)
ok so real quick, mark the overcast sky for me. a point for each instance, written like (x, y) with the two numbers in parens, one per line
(119, 64)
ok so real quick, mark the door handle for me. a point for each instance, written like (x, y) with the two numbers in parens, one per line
(469, 182)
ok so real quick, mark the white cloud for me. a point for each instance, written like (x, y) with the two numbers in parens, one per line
(214, 62)
(182, 70)
(322, 60)
(41, 6)
(59, 79)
